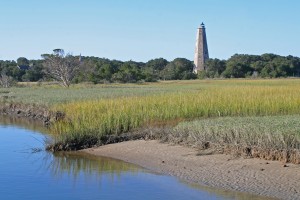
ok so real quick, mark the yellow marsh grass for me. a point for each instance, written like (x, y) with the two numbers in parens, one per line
(114, 116)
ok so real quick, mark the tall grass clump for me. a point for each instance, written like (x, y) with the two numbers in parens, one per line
(269, 137)
(93, 119)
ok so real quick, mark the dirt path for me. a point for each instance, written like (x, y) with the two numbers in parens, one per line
(268, 178)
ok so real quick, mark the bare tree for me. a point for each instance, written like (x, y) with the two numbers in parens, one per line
(6, 81)
(60, 66)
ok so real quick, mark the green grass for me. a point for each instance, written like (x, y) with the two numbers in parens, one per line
(268, 137)
(268, 132)
(53, 94)
(96, 118)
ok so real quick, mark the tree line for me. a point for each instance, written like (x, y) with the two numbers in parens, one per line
(68, 69)
(252, 66)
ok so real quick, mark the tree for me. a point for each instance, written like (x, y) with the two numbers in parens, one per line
(22, 61)
(35, 72)
(238, 66)
(214, 67)
(151, 70)
(60, 66)
(129, 72)
(157, 64)
(178, 69)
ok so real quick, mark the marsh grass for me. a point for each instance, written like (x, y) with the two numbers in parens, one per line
(93, 119)
(50, 94)
(53, 95)
(279, 132)
(269, 137)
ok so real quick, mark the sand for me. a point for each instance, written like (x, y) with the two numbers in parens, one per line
(261, 177)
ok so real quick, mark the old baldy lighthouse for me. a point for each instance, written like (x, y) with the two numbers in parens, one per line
(201, 51)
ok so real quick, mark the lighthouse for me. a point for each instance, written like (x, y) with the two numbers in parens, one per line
(201, 50)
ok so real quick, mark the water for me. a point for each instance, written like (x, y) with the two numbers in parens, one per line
(28, 172)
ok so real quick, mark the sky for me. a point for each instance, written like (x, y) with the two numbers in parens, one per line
(141, 30)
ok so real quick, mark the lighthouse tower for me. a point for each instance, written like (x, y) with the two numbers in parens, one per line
(201, 51)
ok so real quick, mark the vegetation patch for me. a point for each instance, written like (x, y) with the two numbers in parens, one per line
(90, 141)
(114, 116)
(87, 116)
(268, 137)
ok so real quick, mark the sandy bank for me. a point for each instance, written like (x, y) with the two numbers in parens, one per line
(268, 178)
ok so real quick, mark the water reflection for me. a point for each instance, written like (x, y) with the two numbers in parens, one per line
(76, 163)
(20, 122)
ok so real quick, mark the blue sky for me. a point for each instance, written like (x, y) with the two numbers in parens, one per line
(145, 29)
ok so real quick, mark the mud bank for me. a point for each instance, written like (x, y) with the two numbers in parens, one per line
(30, 111)
(257, 176)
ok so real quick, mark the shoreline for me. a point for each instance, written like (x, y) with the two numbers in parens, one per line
(255, 176)
(39, 113)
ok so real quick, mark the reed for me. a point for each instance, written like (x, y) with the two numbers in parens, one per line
(96, 118)
(267, 137)
(266, 132)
